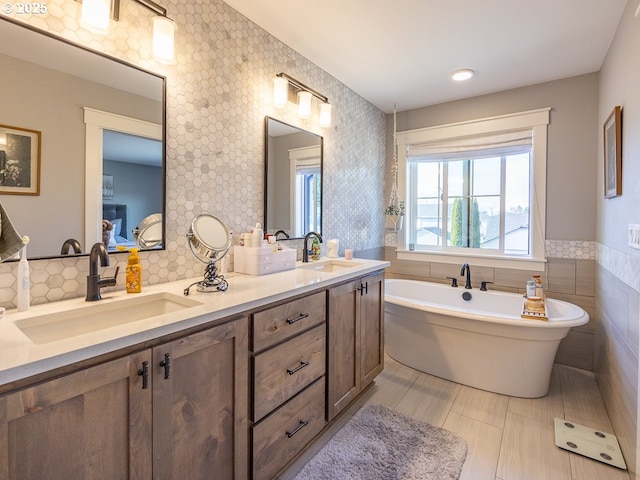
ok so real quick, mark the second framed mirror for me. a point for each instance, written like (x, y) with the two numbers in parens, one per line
(293, 180)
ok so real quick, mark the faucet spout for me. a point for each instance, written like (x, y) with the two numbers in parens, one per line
(466, 270)
(305, 247)
(68, 244)
(98, 255)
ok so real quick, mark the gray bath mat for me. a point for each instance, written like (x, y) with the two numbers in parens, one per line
(381, 444)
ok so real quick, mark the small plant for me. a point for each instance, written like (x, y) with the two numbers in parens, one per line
(395, 209)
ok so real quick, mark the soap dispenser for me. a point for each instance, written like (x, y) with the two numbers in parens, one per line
(133, 278)
(315, 249)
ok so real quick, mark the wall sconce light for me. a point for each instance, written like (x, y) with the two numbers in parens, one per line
(95, 16)
(280, 91)
(304, 104)
(325, 115)
(286, 88)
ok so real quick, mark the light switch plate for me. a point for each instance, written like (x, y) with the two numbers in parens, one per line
(591, 443)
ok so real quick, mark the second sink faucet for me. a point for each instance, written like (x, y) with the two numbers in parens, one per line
(94, 282)
(466, 269)
(305, 247)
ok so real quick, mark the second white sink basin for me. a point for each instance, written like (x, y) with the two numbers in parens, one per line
(330, 265)
(100, 315)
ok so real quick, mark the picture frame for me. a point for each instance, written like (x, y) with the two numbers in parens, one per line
(612, 131)
(19, 160)
(107, 187)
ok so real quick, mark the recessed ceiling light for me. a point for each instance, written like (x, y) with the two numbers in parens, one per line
(463, 74)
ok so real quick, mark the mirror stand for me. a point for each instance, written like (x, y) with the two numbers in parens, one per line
(209, 241)
(212, 282)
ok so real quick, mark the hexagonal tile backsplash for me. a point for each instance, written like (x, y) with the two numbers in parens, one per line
(218, 93)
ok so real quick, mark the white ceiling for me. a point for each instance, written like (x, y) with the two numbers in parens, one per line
(403, 51)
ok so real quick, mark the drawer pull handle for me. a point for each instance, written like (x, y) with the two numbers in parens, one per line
(144, 373)
(291, 321)
(301, 425)
(298, 368)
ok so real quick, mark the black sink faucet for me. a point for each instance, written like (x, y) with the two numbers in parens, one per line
(466, 269)
(305, 247)
(94, 282)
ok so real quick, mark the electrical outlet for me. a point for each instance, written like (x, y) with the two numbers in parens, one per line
(634, 236)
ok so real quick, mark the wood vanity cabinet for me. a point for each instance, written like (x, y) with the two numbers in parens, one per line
(355, 339)
(200, 405)
(93, 424)
(99, 423)
(288, 381)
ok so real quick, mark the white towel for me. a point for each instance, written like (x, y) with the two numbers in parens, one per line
(10, 242)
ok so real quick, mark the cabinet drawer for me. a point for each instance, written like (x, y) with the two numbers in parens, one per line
(283, 371)
(283, 434)
(284, 321)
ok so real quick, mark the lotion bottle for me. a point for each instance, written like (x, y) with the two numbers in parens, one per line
(133, 278)
(24, 294)
(258, 236)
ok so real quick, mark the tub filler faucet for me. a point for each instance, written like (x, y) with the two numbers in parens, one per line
(466, 269)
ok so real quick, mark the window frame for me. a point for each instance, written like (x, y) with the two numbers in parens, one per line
(537, 121)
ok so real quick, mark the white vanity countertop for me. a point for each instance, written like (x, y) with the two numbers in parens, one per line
(21, 358)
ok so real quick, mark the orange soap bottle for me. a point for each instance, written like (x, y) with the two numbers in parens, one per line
(133, 278)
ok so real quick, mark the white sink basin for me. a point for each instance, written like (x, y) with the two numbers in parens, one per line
(331, 265)
(100, 315)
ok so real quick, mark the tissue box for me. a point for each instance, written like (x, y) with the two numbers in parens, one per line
(263, 260)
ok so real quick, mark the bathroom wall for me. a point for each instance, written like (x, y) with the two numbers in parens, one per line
(571, 198)
(618, 265)
(218, 93)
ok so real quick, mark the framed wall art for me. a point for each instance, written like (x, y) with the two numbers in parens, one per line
(613, 154)
(19, 161)
(107, 186)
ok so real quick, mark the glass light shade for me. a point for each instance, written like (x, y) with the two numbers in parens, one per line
(163, 39)
(95, 15)
(280, 91)
(304, 104)
(325, 115)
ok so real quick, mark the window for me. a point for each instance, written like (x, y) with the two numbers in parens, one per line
(306, 188)
(476, 188)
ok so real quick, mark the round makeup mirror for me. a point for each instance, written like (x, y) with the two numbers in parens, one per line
(209, 240)
(148, 234)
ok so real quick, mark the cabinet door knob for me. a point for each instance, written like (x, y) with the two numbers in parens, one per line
(166, 364)
(363, 288)
(301, 425)
(298, 368)
(144, 373)
(297, 319)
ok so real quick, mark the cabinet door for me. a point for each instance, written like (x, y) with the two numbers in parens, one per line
(371, 329)
(343, 368)
(93, 424)
(200, 411)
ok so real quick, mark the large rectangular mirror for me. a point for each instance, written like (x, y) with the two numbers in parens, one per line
(90, 169)
(293, 180)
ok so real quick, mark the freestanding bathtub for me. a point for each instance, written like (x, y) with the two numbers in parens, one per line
(483, 342)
